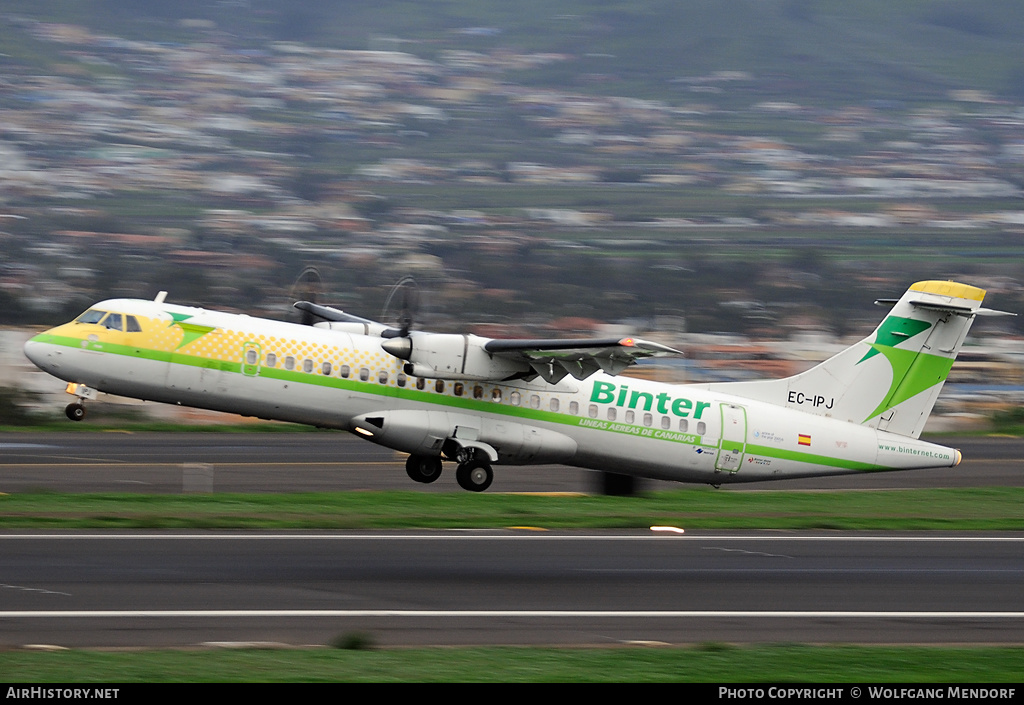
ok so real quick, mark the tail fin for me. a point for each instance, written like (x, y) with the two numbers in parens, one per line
(891, 379)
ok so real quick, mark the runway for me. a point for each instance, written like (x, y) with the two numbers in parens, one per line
(334, 461)
(492, 587)
(506, 587)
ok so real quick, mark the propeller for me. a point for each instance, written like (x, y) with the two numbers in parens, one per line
(308, 287)
(410, 296)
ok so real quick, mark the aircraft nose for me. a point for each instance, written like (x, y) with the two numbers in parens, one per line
(35, 350)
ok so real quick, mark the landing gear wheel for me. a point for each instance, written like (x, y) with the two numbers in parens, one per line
(474, 475)
(75, 412)
(423, 468)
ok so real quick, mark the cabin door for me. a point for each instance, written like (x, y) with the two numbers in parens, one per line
(733, 442)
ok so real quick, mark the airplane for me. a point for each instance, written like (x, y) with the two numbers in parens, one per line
(479, 402)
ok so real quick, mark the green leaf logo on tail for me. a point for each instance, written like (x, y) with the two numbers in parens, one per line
(913, 371)
(893, 331)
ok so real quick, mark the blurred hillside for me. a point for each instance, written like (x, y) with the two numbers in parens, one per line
(814, 49)
(759, 167)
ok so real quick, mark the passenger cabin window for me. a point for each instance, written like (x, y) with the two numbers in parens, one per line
(271, 360)
(592, 411)
(401, 379)
(684, 425)
(439, 386)
(132, 324)
(382, 377)
(364, 374)
(534, 401)
(666, 422)
(421, 383)
(459, 389)
(554, 403)
(514, 398)
(250, 356)
(611, 413)
(113, 322)
(478, 392)
(289, 363)
(496, 395)
(630, 416)
(701, 428)
(325, 368)
(91, 316)
(307, 366)
(574, 407)
(345, 371)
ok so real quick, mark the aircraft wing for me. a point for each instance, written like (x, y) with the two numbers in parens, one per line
(329, 313)
(336, 319)
(450, 356)
(554, 359)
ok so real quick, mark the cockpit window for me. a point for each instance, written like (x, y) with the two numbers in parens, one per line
(91, 316)
(132, 324)
(113, 322)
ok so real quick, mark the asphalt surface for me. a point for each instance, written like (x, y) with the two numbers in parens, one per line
(331, 461)
(164, 589)
(505, 587)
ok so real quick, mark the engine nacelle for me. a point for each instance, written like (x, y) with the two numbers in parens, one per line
(427, 432)
(451, 356)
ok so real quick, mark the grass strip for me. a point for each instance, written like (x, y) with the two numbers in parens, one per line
(702, 664)
(976, 509)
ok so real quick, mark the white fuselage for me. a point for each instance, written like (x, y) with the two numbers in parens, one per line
(326, 378)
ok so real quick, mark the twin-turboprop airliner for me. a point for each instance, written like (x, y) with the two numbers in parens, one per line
(477, 402)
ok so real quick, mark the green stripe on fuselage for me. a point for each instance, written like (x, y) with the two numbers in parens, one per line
(482, 406)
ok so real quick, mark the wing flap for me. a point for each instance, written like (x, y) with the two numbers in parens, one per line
(581, 357)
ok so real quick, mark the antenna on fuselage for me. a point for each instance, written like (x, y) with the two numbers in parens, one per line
(160, 297)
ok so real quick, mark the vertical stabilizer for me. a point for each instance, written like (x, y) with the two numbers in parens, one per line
(891, 379)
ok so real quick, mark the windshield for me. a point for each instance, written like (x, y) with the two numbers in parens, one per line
(91, 316)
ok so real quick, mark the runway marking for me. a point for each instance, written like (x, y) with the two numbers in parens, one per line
(137, 464)
(660, 614)
(744, 552)
(29, 589)
(501, 535)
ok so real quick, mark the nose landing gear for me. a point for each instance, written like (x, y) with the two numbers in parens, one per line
(76, 409)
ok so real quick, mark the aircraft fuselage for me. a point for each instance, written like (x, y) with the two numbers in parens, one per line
(334, 379)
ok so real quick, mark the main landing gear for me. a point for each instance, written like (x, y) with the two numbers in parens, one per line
(473, 475)
(423, 468)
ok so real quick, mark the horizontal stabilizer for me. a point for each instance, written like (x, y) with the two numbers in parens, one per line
(959, 310)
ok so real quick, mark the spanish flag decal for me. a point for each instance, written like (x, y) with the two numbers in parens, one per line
(804, 439)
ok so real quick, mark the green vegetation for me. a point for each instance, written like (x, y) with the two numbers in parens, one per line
(990, 509)
(1009, 421)
(15, 408)
(708, 663)
(140, 424)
